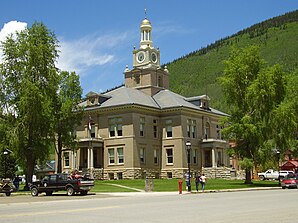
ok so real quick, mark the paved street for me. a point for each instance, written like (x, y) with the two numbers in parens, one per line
(246, 206)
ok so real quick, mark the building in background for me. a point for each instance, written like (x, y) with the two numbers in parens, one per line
(140, 130)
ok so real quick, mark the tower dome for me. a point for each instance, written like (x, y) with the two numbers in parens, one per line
(146, 23)
(146, 28)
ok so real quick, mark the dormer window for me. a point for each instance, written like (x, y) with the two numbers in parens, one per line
(92, 100)
(200, 101)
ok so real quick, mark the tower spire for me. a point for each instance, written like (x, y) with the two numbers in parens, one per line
(145, 13)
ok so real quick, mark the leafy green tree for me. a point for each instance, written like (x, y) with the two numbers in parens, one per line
(30, 82)
(7, 164)
(255, 94)
(67, 113)
(288, 115)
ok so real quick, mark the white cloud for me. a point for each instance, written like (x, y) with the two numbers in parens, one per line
(168, 27)
(87, 52)
(10, 28)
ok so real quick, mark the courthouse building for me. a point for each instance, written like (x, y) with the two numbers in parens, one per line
(140, 130)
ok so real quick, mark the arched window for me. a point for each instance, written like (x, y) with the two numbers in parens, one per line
(207, 130)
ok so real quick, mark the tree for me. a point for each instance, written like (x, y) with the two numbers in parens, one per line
(255, 93)
(67, 113)
(7, 164)
(30, 81)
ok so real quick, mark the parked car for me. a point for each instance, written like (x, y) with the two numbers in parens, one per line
(7, 187)
(59, 182)
(289, 181)
(273, 174)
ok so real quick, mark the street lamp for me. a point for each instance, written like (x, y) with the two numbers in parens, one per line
(6, 153)
(188, 148)
(278, 157)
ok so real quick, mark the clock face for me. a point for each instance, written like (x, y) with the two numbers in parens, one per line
(140, 57)
(154, 57)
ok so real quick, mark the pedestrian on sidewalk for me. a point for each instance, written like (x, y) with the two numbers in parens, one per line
(203, 181)
(198, 179)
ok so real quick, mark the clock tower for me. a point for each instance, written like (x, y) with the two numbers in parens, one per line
(146, 74)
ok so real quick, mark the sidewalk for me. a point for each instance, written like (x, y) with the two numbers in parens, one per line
(143, 193)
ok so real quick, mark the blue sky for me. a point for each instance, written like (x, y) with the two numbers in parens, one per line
(97, 37)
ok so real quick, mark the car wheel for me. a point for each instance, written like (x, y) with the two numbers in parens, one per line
(283, 187)
(7, 194)
(34, 191)
(49, 193)
(70, 191)
(262, 177)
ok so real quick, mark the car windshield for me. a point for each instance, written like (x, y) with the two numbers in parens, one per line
(290, 177)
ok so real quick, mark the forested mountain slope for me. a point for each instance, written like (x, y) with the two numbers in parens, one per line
(197, 72)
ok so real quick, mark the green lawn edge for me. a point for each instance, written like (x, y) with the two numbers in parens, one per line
(170, 185)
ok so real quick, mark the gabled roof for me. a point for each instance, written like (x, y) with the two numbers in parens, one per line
(164, 99)
(293, 163)
(128, 96)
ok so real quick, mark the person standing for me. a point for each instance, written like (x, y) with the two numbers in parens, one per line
(16, 182)
(203, 181)
(187, 181)
(198, 179)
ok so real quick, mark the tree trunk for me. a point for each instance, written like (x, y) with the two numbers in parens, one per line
(30, 170)
(59, 154)
(248, 176)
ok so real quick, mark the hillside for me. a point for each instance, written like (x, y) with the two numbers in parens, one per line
(197, 72)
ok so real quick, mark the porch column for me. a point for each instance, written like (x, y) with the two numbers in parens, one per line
(214, 157)
(88, 157)
(203, 157)
(74, 164)
(91, 158)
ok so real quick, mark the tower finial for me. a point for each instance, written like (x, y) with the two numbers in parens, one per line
(145, 13)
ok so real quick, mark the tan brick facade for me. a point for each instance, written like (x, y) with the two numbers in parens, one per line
(140, 130)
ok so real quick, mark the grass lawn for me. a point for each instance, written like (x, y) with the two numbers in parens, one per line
(172, 185)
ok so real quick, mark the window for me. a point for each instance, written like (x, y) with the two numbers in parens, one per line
(155, 132)
(111, 156)
(142, 126)
(120, 155)
(156, 156)
(194, 156)
(169, 153)
(191, 128)
(111, 176)
(115, 127)
(170, 175)
(207, 130)
(92, 131)
(218, 132)
(112, 127)
(169, 128)
(53, 178)
(66, 159)
(142, 155)
(188, 127)
(120, 176)
(119, 126)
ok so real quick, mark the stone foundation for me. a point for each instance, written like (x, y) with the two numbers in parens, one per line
(134, 173)
(140, 173)
(223, 173)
